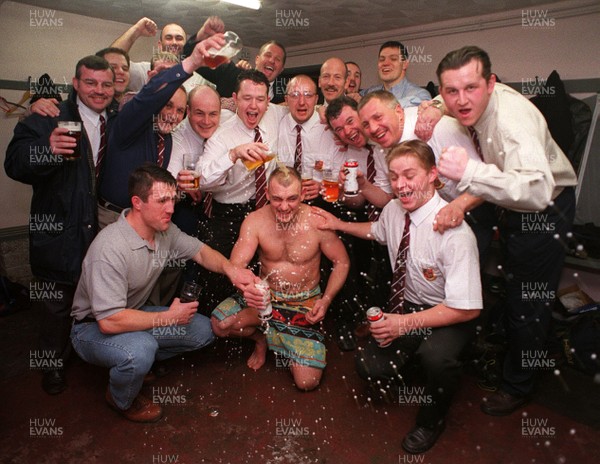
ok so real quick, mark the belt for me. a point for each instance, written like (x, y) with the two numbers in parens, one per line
(108, 205)
(232, 210)
(84, 320)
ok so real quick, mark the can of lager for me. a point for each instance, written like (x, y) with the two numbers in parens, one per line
(351, 182)
(375, 314)
(266, 313)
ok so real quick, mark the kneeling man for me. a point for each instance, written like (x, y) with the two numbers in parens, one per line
(289, 248)
(112, 327)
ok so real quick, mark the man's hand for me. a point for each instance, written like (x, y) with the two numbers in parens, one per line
(428, 117)
(328, 221)
(311, 189)
(241, 278)
(318, 311)
(200, 52)
(60, 143)
(388, 328)
(213, 25)
(453, 162)
(254, 296)
(145, 27)
(181, 313)
(45, 107)
(253, 151)
(448, 217)
(243, 64)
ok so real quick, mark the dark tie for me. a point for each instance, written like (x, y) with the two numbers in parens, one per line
(298, 153)
(372, 210)
(475, 139)
(208, 196)
(102, 147)
(260, 178)
(160, 149)
(396, 303)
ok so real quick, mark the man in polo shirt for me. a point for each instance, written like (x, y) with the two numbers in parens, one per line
(435, 294)
(112, 326)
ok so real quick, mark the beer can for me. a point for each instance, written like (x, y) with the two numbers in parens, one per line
(266, 313)
(351, 182)
(375, 314)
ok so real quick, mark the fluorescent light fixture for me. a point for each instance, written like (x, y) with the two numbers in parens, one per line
(253, 4)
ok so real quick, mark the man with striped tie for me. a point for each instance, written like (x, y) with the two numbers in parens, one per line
(63, 219)
(435, 293)
(235, 167)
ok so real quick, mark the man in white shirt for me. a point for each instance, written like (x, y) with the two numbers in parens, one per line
(435, 293)
(237, 190)
(526, 174)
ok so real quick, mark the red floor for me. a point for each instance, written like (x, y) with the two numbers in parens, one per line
(216, 410)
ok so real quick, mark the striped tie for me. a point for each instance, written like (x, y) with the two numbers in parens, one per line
(372, 210)
(475, 139)
(160, 149)
(298, 153)
(260, 178)
(102, 147)
(397, 292)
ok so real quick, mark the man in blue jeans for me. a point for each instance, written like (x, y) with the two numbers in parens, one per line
(112, 327)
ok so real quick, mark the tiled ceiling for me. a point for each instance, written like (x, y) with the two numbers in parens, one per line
(292, 22)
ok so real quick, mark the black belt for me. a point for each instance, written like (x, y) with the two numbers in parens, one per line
(108, 205)
(233, 211)
(84, 320)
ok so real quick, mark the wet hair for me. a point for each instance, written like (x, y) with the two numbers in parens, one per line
(395, 44)
(163, 56)
(458, 58)
(94, 62)
(385, 97)
(284, 175)
(118, 51)
(335, 107)
(273, 42)
(416, 148)
(251, 75)
(144, 177)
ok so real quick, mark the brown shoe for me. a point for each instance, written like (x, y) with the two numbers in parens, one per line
(502, 403)
(141, 410)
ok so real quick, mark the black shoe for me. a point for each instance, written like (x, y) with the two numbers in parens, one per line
(502, 403)
(54, 382)
(420, 439)
(345, 338)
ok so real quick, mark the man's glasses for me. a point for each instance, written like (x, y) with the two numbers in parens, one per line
(296, 95)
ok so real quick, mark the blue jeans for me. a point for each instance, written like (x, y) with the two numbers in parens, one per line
(130, 355)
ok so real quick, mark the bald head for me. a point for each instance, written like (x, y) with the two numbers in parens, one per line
(301, 97)
(332, 79)
(204, 110)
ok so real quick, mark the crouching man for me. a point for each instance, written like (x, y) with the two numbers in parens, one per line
(289, 248)
(435, 293)
(112, 327)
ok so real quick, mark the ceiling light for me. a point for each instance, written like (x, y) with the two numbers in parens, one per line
(253, 4)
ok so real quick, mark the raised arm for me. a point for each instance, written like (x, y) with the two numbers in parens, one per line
(145, 27)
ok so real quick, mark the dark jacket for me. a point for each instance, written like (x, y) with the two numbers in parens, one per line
(63, 218)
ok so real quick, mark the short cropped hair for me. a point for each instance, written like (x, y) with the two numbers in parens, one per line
(144, 177)
(335, 107)
(416, 148)
(94, 62)
(395, 44)
(284, 175)
(385, 97)
(118, 51)
(458, 58)
(273, 42)
(251, 75)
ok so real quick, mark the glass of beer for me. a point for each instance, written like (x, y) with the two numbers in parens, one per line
(253, 164)
(74, 128)
(190, 292)
(233, 45)
(331, 188)
(190, 163)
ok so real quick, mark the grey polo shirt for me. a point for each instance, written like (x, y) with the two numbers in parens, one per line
(120, 268)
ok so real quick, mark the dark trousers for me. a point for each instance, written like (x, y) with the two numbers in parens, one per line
(437, 351)
(54, 301)
(533, 263)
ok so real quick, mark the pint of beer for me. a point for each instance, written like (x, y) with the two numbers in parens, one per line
(233, 45)
(252, 164)
(74, 128)
(331, 188)
(190, 163)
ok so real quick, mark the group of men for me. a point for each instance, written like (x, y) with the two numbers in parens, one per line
(489, 161)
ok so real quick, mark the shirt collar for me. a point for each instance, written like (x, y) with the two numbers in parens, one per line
(131, 236)
(420, 214)
(89, 114)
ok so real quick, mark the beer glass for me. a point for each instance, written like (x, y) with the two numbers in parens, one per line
(74, 128)
(233, 45)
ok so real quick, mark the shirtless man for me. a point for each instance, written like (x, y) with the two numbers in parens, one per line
(289, 248)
